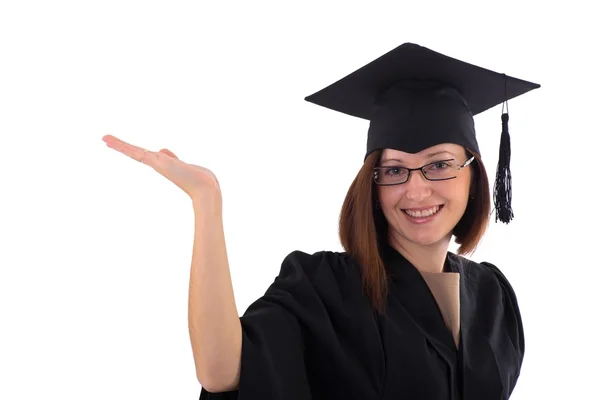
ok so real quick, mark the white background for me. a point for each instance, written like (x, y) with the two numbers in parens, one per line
(95, 248)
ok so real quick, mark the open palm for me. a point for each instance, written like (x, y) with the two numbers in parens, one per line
(195, 180)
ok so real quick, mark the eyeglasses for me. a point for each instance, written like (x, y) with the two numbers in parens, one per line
(436, 171)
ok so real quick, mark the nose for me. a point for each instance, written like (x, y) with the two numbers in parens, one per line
(417, 187)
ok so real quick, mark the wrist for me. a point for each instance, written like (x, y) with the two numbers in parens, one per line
(207, 204)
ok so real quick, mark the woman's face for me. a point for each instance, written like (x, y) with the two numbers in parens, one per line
(420, 211)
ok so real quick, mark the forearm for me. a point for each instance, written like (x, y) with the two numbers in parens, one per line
(214, 325)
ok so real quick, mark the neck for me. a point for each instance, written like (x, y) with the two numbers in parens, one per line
(429, 258)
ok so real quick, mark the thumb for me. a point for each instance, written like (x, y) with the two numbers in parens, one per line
(169, 153)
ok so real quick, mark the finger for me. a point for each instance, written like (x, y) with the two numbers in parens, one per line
(135, 152)
(121, 145)
(169, 153)
(160, 161)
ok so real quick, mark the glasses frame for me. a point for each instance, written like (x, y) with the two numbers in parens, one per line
(458, 168)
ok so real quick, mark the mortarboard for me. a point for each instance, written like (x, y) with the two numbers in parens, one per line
(416, 98)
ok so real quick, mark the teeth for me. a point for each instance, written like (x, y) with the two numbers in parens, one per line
(423, 213)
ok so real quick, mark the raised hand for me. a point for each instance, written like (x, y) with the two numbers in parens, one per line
(198, 182)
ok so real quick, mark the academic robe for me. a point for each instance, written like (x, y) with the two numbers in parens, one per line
(313, 335)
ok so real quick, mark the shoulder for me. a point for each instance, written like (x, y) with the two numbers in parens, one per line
(509, 297)
(313, 266)
(482, 273)
(507, 288)
(297, 289)
(320, 279)
(489, 282)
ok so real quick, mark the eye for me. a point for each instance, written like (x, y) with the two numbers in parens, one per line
(440, 165)
(395, 171)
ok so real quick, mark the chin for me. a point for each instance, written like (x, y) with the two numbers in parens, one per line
(423, 236)
(426, 240)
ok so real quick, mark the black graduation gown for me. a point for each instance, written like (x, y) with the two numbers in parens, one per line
(313, 335)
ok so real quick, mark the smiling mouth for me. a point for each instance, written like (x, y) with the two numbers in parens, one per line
(423, 213)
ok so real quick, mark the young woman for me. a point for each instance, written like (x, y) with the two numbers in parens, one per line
(396, 315)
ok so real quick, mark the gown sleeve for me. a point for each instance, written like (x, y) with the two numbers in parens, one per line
(272, 363)
(513, 317)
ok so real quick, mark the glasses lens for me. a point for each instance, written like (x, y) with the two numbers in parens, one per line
(391, 175)
(440, 170)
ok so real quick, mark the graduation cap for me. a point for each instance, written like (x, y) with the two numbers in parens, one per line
(416, 98)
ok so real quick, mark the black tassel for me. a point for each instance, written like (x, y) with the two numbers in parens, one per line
(503, 184)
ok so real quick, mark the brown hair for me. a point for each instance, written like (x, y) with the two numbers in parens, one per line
(363, 228)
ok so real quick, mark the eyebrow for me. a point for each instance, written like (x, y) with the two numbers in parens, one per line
(428, 156)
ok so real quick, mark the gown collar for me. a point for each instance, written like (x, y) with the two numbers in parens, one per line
(410, 292)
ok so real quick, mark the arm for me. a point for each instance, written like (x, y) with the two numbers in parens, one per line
(214, 326)
(514, 320)
(213, 321)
